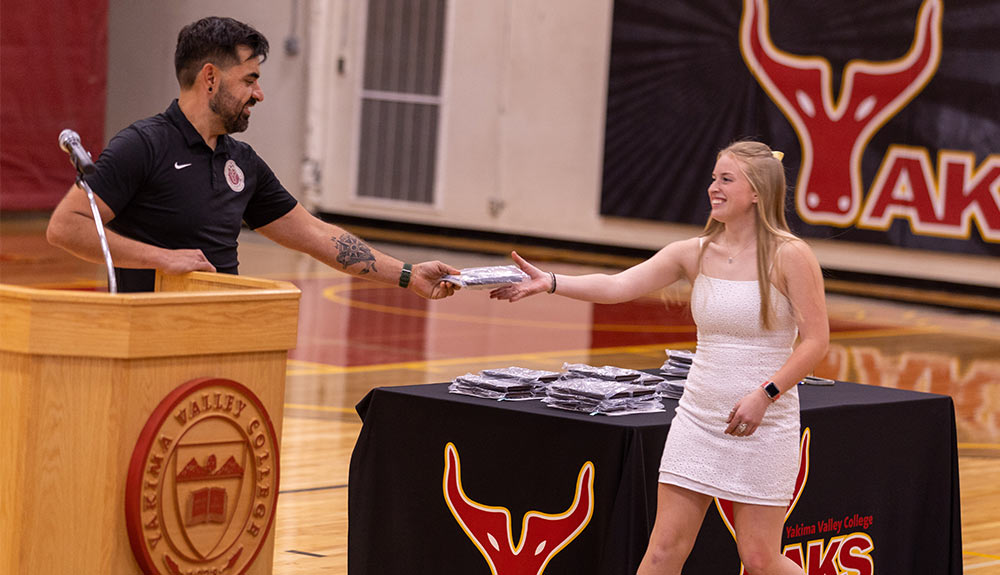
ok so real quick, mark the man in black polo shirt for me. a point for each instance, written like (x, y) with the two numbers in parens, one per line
(175, 188)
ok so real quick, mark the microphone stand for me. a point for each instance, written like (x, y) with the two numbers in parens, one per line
(112, 281)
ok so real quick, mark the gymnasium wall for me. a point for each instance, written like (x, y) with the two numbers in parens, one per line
(599, 121)
(53, 66)
(540, 103)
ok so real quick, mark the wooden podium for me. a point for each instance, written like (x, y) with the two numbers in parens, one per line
(95, 425)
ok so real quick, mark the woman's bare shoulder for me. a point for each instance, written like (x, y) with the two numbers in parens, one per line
(686, 253)
(689, 248)
(794, 249)
(795, 259)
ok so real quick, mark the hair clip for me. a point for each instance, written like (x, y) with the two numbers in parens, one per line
(777, 155)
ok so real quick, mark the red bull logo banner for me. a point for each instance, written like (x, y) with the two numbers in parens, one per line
(886, 112)
(203, 481)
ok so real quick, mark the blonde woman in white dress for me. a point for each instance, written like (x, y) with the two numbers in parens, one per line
(756, 290)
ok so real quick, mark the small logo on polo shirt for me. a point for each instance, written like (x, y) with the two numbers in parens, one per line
(234, 176)
(178, 166)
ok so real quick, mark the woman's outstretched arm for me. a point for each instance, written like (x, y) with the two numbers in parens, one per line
(673, 262)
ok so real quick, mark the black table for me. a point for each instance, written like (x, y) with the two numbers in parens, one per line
(881, 494)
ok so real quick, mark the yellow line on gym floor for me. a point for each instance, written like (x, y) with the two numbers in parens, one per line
(326, 408)
(332, 294)
(979, 446)
(299, 367)
(889, 332)
(986, 555)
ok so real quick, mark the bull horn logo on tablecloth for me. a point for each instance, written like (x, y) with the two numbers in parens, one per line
(833, 133)
(542, 535)
(203, 481)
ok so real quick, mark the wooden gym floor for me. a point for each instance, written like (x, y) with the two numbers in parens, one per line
(355, 335)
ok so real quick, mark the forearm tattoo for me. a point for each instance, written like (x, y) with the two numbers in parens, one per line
(351, 251)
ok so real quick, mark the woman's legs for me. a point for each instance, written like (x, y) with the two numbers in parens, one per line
(758, 538)
(679, 514)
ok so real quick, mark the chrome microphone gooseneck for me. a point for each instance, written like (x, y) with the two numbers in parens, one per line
(69, 141)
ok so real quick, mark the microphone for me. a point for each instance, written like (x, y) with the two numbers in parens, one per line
(69, 141)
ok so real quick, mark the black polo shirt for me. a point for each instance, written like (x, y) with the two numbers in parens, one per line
(169, 189)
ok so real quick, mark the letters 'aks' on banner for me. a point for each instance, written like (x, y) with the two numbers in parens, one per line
(887, 113)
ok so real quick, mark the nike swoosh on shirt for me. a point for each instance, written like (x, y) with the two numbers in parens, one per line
(180, 166)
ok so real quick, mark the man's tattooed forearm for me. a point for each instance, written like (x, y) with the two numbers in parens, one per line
(351, 251)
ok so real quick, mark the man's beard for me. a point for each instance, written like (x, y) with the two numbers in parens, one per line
(230, 110)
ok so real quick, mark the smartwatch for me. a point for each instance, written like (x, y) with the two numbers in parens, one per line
(771, 390)
(404, 276)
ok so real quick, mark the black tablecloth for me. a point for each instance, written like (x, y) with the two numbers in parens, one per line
(881, 495)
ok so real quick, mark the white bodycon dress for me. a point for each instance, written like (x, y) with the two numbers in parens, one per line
(735, 355)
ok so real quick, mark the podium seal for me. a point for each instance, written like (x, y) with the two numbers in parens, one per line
(203, 481)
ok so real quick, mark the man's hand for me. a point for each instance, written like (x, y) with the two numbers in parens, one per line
(175, 262)
(426, 282)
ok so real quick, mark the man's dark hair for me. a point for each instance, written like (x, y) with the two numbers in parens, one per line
(214, 40)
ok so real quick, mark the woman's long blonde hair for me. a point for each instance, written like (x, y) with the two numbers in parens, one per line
(763, 169)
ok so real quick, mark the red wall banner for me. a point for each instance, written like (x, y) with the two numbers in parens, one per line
(53, 73)
(886, 112)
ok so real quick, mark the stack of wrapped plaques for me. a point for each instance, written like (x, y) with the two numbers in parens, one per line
(674, 372)
(611, 373)
(601, 396)
(508, 383)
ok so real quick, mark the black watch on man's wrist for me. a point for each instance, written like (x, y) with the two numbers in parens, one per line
(404, 275)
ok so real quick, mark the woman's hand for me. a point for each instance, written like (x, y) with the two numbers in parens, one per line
(747, 414)
(537, 282)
